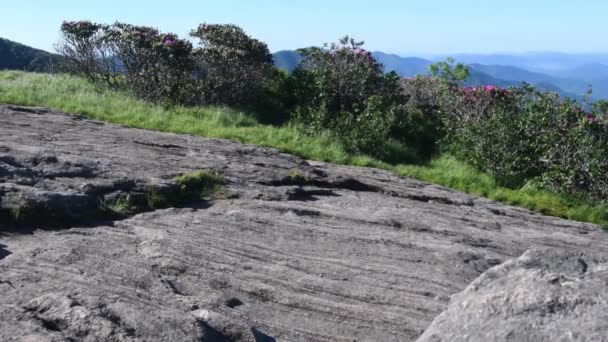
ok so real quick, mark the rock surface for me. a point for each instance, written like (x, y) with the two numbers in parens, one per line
(545, 295)
(297, 250)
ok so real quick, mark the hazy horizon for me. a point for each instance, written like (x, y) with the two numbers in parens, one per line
(417, 28)
(403, 54)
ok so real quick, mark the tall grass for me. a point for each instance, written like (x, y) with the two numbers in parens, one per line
(74, 95)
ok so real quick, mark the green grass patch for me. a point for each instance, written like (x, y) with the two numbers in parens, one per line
(203, 184)
(296, 177)
(119, 207)
(74, 95)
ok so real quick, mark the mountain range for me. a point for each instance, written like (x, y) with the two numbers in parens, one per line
(569, 75)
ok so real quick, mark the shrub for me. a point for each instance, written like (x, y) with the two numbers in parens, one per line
(343, 90)
(496, 135)
(232, 67)
(522, 134)
(157, 66)
(450, 70)
(274, 102)
(519, 135)
(87, 52)
(153, 65)
(428, 102)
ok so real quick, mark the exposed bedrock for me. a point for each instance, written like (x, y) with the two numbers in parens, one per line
(293, 250)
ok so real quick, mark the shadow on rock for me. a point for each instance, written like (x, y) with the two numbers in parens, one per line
(261, 337)
(101, 218)
(213, 335)
(4, 252)
(299, 194)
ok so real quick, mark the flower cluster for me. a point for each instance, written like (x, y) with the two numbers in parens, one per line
(169, 40)
(590, 118)
(492, 89)
(348, 51)
(472, 94)
(143, 37)
(139, 36)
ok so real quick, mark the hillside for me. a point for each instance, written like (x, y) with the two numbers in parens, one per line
(550, 63)
(404, 66)
(286, 59)
(133, 246)
(568, 82)
(16, 56)
(75, 95)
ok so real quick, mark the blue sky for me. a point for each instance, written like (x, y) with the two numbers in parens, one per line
(415, 27)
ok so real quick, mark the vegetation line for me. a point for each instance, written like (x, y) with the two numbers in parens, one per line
(74, 95)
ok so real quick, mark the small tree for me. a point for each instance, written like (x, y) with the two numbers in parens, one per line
(450, 70)
(157, 66)
(343, 89)
(87, 52)
(153, 65)
(232, 67)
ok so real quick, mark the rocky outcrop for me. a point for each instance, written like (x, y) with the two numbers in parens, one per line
(293, 250)
(545, 295)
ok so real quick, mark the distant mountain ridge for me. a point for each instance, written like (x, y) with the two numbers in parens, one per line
(569, 75)
(16, 56)
(572, 81)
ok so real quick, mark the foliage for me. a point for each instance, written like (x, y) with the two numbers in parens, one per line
(518, 135)
(522, 134)
(233, 67)
(273, 103)
(425, 106)
(117, 207)
(87, 52)
(450, 70)
(155, 66)
(341, 89)
(201, 184)
(297, 177)
(228, 68)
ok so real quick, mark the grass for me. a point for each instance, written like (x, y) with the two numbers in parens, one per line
(200, 184)
(74, 95)
(119, 207)
(296, 177)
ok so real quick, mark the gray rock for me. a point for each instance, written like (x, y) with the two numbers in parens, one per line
(297, 250)
(544, 295)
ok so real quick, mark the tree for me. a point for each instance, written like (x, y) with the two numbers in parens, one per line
(450, 70)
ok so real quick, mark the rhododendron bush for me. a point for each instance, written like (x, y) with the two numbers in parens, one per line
(153, 65)
(88, 52)
(233, 67)
(156, 65)
(519, 135)
(344, 91)
(229, 67)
